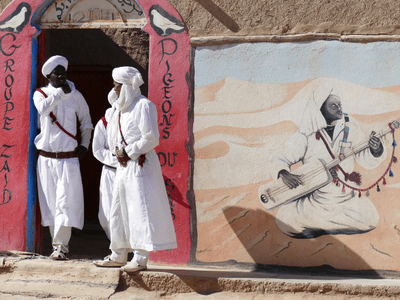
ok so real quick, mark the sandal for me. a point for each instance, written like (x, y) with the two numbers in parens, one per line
(58, 254)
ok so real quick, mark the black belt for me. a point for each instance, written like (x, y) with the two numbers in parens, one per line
(70, 154)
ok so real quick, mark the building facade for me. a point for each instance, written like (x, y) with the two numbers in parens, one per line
(233, 83)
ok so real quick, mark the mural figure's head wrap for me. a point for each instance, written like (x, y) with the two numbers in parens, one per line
(312, 119)
(131, 80)
(52, 63)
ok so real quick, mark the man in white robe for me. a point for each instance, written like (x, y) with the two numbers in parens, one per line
(110, 163)
(327, 210)
(140, 214)
(58, 174)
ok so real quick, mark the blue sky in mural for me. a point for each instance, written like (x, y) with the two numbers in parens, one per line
(371, 65)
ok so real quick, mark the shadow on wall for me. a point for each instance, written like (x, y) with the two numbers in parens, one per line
(219, 14)
(290, 252)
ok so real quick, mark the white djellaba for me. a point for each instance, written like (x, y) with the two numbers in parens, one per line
(140, 219)
(59, 180)
(103, 154)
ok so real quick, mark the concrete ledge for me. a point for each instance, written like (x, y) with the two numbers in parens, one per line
(172, 280)
(48, 278)
(42, 277)
(301, 37)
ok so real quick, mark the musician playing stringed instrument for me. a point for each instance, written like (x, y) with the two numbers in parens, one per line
(326, 133)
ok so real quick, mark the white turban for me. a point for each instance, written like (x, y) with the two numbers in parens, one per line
(131, 80)
(52, 63)
(312, 119)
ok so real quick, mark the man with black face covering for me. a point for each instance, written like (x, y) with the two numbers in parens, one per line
(58, 174)
(329, 209)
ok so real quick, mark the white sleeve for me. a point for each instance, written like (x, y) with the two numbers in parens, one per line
(45, 105)
(365, 158)
(148, 126)
(293, 151)
(100, 148)
(83, 114)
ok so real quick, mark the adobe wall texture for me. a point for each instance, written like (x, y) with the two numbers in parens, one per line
(208, 17)
(4, 4)
(245, 17)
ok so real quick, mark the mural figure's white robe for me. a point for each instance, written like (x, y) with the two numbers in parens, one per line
(140, 212)
(110, 163)
(59, 180)
(326, 210)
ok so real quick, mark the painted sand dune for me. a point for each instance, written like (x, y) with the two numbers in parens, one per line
(245, 130)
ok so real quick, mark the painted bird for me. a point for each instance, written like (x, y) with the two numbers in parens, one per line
(17, 20)
(166, 25)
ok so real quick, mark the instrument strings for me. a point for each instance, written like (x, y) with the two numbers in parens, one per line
(353, 151)
(285, 188)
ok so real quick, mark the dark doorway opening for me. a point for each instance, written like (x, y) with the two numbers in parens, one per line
(92, 54)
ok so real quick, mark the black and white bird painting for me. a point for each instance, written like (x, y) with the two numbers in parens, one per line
(163, 23)
(16, 21)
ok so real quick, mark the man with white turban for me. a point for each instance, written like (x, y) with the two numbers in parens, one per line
(140, 219)
(103, 154)
(329, 209)
(58, 174)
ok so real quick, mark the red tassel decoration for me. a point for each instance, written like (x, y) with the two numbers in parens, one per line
(343, 189)
(354, 177)
(384, 181)
(359, 194)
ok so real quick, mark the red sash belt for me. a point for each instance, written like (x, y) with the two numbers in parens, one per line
(60, 155)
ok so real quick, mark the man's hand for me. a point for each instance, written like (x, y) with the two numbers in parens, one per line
(375, 145)
(80, 151)
(291, 180)
(122, 157)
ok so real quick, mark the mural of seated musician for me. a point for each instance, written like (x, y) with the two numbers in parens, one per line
(326, 134)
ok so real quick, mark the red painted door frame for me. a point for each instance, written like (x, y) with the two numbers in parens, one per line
(168, 88)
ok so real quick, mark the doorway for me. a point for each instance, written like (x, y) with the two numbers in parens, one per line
(92, 55)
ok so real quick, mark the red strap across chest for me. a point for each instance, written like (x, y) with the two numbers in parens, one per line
(120, 131)
(104, 122)
(354, 176)
(142, 157)
(54, 119)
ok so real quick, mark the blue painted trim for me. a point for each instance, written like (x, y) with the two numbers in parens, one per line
(37, 15)
(32, 156)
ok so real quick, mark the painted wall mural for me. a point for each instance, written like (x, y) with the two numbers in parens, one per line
(261, 110)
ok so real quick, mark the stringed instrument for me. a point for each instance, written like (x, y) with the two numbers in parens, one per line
(314, 176)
